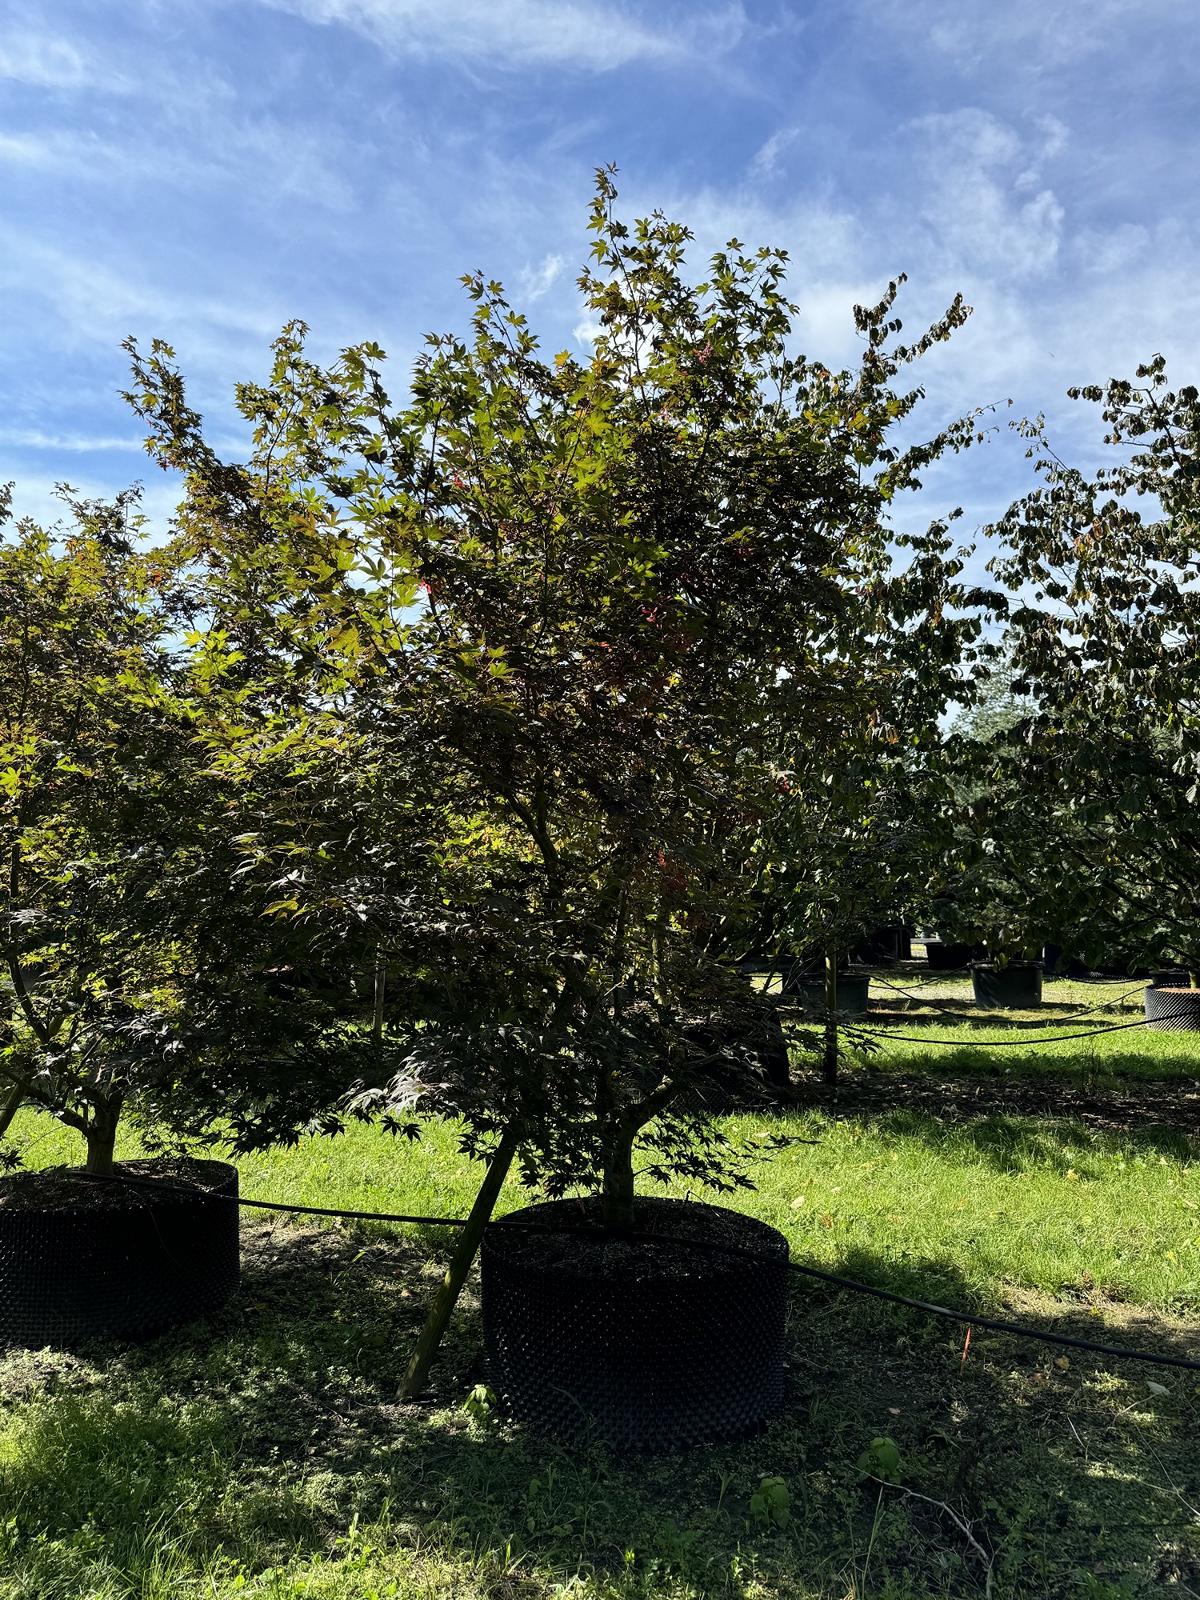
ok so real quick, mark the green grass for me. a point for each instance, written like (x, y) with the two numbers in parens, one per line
(265, 1455)
(1066, 1037)
(994, 1201)
(1010, 1048)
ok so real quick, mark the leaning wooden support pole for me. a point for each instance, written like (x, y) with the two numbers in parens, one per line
(465, 1250)
(829, 1064)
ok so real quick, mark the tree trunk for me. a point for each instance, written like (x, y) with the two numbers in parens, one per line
(465, 1250)
(829, 1060)
(379, 998)
(618, 1181)
(101, 1138)
(10, 1106)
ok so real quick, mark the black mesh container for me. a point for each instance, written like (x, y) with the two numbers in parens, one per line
(654, 1345)
(1173, 1008)
(132, 1262)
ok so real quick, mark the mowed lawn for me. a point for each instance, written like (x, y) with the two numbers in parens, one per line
(267, 1455)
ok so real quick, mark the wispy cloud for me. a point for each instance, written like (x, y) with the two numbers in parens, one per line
(536, 282)
(766, 158)
(982, 196)
(579, 33)
(1039, 35)
(79, 154)
(346, 160)
(37, 57)
(76, 444)
(89, 304)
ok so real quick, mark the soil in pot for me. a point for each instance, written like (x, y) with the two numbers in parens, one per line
(1014, 987)
(655, 1341)
(82, 1258)
(1172, 1006)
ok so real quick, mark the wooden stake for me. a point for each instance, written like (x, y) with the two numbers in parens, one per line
(465, 1251)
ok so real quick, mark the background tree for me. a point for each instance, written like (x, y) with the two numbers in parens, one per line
(148, 969)
(1105, 631)
(93, 758)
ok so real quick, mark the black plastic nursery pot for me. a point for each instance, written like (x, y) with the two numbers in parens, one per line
(1170, 1006)
(760, 1038)
(886, 945)
(945, 957)
(86, 1259)
(1057, 963)
(1016, 985)
(853, 992)
(647, 1343)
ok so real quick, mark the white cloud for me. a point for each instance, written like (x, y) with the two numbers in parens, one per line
(977, 175)
(75, 153)
(580, 33)
(536, 282)
(82, 444)
(766, 157)
(1040, 34)
(40, 502)
(86, 303)
(43, 61)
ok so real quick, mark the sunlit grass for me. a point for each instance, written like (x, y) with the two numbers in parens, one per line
(1001, 1199)
(266, 1458)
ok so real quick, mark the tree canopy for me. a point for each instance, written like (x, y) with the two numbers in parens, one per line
(597, 628)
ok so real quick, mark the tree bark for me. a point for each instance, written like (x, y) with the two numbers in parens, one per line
(10, 1106)
(617, 1191)
(417, 1375)
(101, 1138)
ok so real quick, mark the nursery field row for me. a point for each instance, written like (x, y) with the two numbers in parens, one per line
(264, 1456)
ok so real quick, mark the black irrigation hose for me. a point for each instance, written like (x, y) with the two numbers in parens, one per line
(276, 1205)
(962, 1016)
(998, 1325)
(991, 1044)
(970, 1319)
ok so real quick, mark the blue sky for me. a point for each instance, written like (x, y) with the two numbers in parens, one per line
(204, 170)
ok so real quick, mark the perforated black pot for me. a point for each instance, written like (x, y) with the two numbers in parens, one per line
(647, 1346)
(130, 1261)
(1176, 1008)
(1014, 986)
